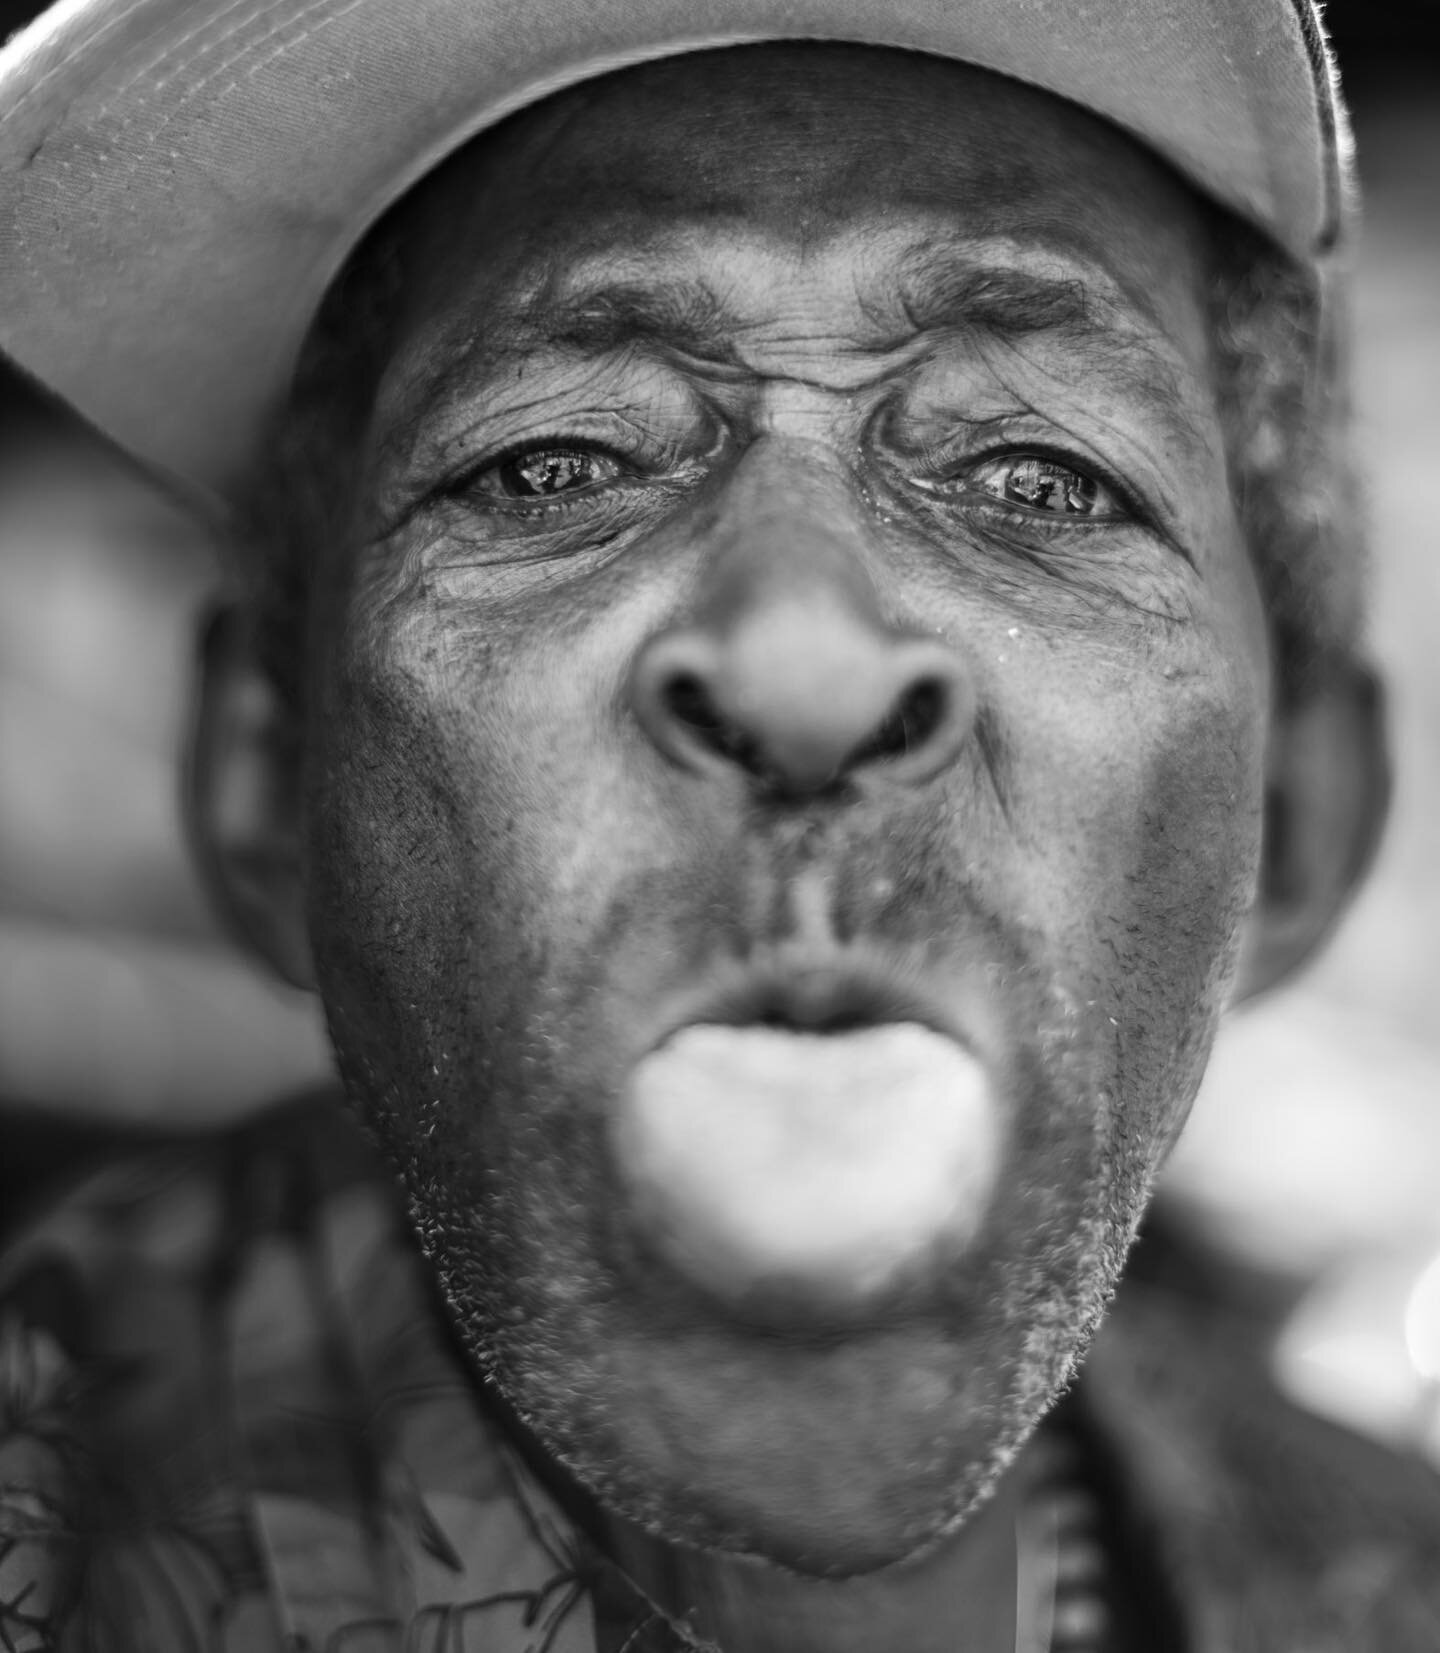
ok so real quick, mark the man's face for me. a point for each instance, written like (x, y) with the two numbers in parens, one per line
(792, 579)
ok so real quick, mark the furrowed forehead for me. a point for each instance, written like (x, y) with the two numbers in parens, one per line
(881, 292)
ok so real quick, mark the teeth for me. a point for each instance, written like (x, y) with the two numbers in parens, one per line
(827, 1164)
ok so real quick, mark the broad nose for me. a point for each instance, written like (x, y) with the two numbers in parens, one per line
(787, 670)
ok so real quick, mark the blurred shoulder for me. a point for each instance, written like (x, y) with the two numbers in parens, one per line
(1280, 1531)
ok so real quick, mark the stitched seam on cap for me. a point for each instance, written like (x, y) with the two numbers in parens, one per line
(37, 86)
(172, 55)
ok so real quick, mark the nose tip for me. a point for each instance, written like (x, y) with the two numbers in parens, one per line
(801, 700)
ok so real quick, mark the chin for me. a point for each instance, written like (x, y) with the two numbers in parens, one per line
(829, 1455)
(829, 1445)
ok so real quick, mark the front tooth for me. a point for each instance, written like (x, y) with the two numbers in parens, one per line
(825, 1164)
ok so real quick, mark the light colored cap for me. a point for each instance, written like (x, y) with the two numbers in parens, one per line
(181, 179)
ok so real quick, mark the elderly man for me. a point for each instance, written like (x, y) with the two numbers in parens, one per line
(794, 644)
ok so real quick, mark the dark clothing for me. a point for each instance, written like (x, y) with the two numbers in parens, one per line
(232, 1420)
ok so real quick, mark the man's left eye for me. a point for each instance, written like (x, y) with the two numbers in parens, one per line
(1038, 483)
(544, 473)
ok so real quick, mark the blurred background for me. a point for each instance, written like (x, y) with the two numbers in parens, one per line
(1315, 1147)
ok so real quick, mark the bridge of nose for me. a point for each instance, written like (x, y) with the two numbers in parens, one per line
(787, 646)
(789, 523)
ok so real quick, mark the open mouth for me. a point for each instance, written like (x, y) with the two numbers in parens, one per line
(809, 1133)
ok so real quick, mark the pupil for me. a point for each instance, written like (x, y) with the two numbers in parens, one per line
(550, 473)
(1043, 486)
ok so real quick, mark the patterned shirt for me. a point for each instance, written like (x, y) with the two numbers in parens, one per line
(232, 1421)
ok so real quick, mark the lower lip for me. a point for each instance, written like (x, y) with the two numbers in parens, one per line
(821, 1168)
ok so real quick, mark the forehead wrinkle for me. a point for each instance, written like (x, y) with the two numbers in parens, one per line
(996, 291)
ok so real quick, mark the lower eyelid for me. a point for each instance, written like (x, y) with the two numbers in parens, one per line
(536, 510)
(529, 505)
(1128, 522)
(1050, 522)
(962, 493)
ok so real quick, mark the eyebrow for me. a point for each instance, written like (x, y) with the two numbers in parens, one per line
(1115, 331)
(1006, 301)
(691, 319)
(937, 292)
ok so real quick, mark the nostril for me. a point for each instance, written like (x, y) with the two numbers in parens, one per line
(688, 700)
(923, 708)
(690, 705)
(800, 712)
(912, 722)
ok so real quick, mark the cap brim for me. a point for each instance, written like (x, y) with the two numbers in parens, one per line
(181, 179)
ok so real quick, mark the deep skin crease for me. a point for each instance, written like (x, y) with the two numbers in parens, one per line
(514, 891)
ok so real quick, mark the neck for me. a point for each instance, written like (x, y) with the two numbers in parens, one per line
(960, 1594)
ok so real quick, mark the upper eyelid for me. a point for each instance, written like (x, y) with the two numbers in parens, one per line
(622, 435)
(514, 452)
(494, 438)
(461, 488)
(1015, 429)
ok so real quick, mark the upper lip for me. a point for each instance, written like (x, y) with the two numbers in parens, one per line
(819, 989)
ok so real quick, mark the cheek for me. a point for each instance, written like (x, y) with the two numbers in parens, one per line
(1152, 807)
(464, 800)
(387, 842)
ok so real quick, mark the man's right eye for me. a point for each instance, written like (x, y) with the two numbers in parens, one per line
(544, 473)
